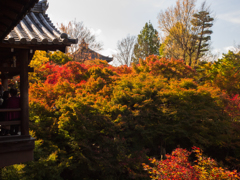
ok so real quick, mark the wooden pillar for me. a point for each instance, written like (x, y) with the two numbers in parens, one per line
(23, 57)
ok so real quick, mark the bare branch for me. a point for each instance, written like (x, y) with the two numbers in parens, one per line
(77, 30)
(125, 49)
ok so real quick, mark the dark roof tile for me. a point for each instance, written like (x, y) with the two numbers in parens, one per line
(11, 12)
(36, 28)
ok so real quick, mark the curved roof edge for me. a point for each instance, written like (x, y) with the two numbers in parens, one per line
(11, 13)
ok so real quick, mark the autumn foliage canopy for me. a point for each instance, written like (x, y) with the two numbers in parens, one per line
(97, 121)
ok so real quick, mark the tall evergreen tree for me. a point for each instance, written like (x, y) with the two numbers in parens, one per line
(202, 21)
(147, 43)
(186, 31)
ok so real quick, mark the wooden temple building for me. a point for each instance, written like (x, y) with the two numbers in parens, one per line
(24, 28)
(85, 53)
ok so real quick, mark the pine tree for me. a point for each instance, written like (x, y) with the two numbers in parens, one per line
(147, 44)
(203, 22)
(186, 31)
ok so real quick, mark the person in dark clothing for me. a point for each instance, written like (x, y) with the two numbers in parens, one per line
(5, 98)
(13, 102)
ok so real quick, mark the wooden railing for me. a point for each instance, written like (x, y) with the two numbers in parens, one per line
(8, 123)
(10, 110)
(15, 122)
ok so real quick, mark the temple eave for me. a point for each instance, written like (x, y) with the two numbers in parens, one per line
(44, 47)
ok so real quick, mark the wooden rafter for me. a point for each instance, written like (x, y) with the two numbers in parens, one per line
(13, 10)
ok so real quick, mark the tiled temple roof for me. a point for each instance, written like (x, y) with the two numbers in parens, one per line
(37, 28)
(11, 12)
(85, 53)
(95, 55)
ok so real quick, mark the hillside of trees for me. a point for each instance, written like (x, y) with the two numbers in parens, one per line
(95, 121)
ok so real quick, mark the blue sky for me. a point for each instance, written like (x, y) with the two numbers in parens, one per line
(112, 20)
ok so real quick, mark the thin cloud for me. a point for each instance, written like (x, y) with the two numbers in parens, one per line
(233, 17)
(216, 51)
(96, 32)
(226, 49)
(107, 52)
(161, 4)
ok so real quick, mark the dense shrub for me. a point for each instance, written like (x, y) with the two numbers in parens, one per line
(177, 166)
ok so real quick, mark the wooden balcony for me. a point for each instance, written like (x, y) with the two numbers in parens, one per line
(15, 149)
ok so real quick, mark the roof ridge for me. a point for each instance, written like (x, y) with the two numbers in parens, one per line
(40, 7)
